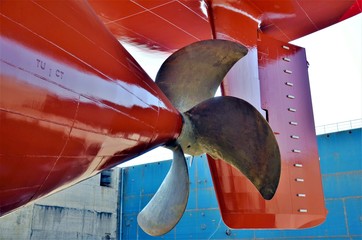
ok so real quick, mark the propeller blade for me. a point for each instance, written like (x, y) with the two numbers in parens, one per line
(193, 73)
(168, 204)
(232, 130)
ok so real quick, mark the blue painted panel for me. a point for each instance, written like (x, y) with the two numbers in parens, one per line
(144, 200)
(341, 151)
(209, 220)
(192, 202)
(335, 224)
(192, 170)
(342, 185)
(225, 233)
(203, 173)
(207, 199)
(158, 171)
(132, 184)
(354, 215)
(202, 224)
(188, 226)
(129, 226)
(207, 224)
(319, 237)
(132, 204)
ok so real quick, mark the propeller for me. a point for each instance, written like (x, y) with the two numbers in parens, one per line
(226, 128)
(168, 204)
(193, 73)
(232, 130)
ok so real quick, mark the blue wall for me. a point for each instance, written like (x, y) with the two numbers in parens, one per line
(341, 164)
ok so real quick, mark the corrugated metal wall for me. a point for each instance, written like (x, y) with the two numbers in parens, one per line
(341, 164)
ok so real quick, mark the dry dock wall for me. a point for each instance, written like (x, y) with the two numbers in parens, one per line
(341, 166)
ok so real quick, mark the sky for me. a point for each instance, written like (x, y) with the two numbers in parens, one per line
(335, 76)
(335, 71)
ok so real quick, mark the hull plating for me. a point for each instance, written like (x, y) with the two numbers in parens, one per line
(72, 101)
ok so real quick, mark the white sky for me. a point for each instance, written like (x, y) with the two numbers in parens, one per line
(335, 75)
(335, 71)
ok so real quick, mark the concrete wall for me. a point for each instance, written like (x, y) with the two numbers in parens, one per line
(341, 166)
(84, 211)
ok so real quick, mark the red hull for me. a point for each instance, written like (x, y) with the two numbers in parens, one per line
(72, 101)
(261, 80)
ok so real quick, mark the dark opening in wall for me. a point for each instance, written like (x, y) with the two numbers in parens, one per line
(106, 178)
